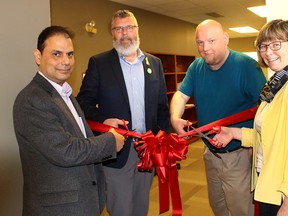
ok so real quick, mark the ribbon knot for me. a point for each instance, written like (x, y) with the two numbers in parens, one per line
(162, 151)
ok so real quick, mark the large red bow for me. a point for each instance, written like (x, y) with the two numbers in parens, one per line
(160, 151)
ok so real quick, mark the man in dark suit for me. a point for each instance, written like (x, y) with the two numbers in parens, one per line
(125, 86)
(60, 155)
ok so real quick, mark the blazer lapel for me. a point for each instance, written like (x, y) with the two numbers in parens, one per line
(147, 76)
(56, 97)
(67, 112)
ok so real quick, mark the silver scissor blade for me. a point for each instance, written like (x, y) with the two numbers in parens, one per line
(200, 133)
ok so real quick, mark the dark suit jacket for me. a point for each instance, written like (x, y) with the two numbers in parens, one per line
(104, 86)
(60, 177)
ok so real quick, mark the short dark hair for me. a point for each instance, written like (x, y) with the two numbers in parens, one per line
(51, 31)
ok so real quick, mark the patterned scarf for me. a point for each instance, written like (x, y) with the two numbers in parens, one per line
(273, 85)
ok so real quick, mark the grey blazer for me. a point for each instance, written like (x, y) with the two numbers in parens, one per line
(61, 169)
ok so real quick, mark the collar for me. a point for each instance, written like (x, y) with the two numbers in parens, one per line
(140, 56)
(64, 90)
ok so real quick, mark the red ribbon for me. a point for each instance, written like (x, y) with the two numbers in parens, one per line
(232, 119)
(103, 128)
(161, 151)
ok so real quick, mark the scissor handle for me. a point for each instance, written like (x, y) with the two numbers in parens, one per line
(211, 141)
(214, 131)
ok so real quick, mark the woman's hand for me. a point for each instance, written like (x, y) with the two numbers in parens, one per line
(224, 136)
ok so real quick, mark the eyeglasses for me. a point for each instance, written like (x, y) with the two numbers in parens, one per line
(129, 28)
(274, 46)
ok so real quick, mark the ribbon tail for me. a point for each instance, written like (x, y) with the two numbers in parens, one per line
(163, 196)
(175, 193)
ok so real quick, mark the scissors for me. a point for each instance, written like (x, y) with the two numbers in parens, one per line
(202, 135)
(205, 135)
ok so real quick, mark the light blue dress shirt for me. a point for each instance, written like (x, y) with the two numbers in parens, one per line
(134, 79)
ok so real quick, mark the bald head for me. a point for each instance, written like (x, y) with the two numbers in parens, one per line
(212, 43)
(209, 22)
(209, 25)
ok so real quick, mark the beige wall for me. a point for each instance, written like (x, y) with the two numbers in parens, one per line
(276, 9)
(157, 33)
(20, 21)
(243, 44)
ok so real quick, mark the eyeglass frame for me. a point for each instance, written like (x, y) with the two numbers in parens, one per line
(119, 29)
(270, 47)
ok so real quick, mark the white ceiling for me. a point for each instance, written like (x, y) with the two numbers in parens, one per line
(234, 12)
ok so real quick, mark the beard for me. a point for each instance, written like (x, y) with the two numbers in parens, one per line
(126, 48)
(211, 60)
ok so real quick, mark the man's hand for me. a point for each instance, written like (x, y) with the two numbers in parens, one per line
(114, 122)
(120, 140)
(179, 124)
(177, 108)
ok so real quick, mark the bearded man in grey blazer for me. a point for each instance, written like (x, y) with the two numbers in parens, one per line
(61, 158)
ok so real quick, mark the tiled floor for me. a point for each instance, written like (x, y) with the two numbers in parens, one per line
(193, 187)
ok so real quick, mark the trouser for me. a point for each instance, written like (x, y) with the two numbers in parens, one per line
(267, 209)
(229, 179)
(127, 188)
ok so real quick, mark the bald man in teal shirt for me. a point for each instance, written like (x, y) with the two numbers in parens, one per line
(222, 82)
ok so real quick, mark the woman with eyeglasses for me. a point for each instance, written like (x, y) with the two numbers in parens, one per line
(269, 136)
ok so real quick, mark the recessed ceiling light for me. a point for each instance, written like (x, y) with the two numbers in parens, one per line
(259, 10)
(244, 29)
